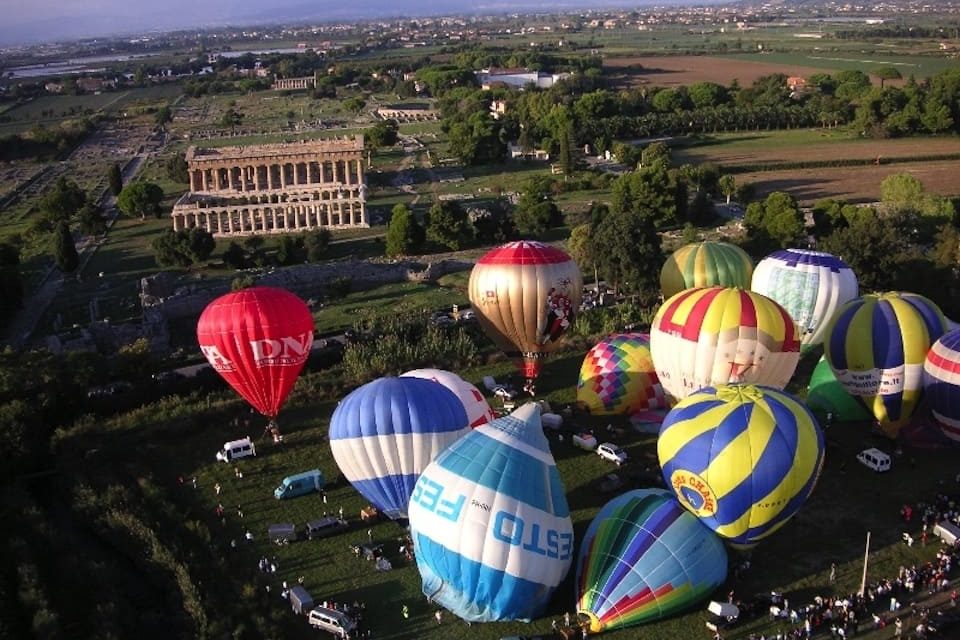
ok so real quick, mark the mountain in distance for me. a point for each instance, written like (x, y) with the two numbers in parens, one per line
(32, 23)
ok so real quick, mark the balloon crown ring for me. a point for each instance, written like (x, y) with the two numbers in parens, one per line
(742, 393)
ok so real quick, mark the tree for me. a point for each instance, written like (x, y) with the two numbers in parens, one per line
(404, 234)
(231, 118)
(114, 179)
(448, 225)
(140, 198)
(651, 190)
(728, 186)
(887, 73)
(90, 220)
(64, 251)
(234, 256)
(874, 247)
(355, 104)
(163, 115)
(582, 249)
(169, 249)
(11, 286)
(289, 250)
(631, 255)
(776, 222)
(177, 168)
(64, 200)
(653, 153)
(316, 243)
(199, 243)
(382, 134)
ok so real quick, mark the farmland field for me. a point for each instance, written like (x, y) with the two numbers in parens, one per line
(832, 61)
(669, 71)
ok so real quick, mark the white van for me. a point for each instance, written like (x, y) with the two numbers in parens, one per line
(874, 459)
(336, 622)
(236, 449)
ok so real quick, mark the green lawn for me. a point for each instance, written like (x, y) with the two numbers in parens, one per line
(918, 66)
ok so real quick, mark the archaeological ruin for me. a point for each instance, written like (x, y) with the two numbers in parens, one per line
(274, 188)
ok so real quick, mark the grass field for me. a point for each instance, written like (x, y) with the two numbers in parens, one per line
(918, 66)
(849, 501)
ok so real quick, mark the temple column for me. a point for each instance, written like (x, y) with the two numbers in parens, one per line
(359, 170)
(256, 174)
(203, 179)
(336, 171)
(193, 180)
(283, 176)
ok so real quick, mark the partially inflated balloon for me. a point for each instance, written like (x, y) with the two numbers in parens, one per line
(941, 382)
(705, 264)
(526, 296)
(743, 458)
(258, 339)
(711, 336)
(477, 407)
(826, 395)
(618, 377)
(643, 558)
(385, 433)
(811, 286)
(876, 346)
(490, 523)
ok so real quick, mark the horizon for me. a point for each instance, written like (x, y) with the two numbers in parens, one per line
(52, 21)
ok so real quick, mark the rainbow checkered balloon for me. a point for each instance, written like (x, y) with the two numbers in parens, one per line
(743, 458)
(618, 377)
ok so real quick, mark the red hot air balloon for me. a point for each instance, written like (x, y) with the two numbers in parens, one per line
(258, 339)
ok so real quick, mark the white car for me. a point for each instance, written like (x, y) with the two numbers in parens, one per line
(611, 452)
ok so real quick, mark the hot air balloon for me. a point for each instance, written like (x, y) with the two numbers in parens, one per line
(742, 458)
(810, 285)
(385, 433)
(710, 336)
(827, 396)
(526, 295)
(941, 382)
(705, 264)
(618, 377)
(876, 346)
(643, 558)
(477, 408)
(258, 339)
(490, 523)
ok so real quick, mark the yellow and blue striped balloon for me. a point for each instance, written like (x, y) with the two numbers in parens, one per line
(742, 458)
(876, 345)
(706, 264)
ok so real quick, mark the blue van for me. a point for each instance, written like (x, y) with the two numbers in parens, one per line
(300, 484)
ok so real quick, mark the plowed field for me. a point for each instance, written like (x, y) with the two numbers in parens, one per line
(666, 71)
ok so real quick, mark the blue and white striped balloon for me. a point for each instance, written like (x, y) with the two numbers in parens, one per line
(810, 285)
(385, 433)
(490, 522)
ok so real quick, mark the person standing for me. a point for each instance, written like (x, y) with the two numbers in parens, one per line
(405, 612)
(833, 571)
(439, 616)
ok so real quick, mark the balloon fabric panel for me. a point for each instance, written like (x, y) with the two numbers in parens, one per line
(941, 379)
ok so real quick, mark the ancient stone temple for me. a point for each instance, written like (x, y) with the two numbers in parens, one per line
(274, 188)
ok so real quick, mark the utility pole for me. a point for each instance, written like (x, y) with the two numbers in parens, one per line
(866, 557)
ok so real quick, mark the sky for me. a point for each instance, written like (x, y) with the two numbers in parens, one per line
(30, 21)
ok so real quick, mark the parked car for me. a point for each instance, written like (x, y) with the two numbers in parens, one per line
(300, 484)
(331, 621)
(167, 376)
(611, 452)
(324, 527)
(236, 449)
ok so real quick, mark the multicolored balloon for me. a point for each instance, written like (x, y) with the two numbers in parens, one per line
(617, 377)
(876, 346)
(826, 395)
(705, 264)
(526, 296)
(941, 382)
(385, 433)
(742, 458)
(811, 286)
(710, 336)
(477, 408)
(490, 523)
(258, 339)
(644, 558)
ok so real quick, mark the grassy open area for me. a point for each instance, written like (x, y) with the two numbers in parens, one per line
(849, 501)
(918, 66)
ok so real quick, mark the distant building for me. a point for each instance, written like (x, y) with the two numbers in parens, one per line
(498, 108)
(408, 112)
(304, 82)
(516, 152)
(517, 78)
(274, 188)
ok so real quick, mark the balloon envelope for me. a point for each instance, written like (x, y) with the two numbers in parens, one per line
(526, 296)
(490, 523)
(826, 395)
(385, 433)
(876, 346)
(618, 377)
(477, 408)
(810, 285)
(258, 339)
(643, 558)
(711, 336)
(705, 264)
(941, 382)
(743, 458)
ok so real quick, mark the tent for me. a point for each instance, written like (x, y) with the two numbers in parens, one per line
(826, 395)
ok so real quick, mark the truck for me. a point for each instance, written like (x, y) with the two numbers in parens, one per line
(300, 484)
